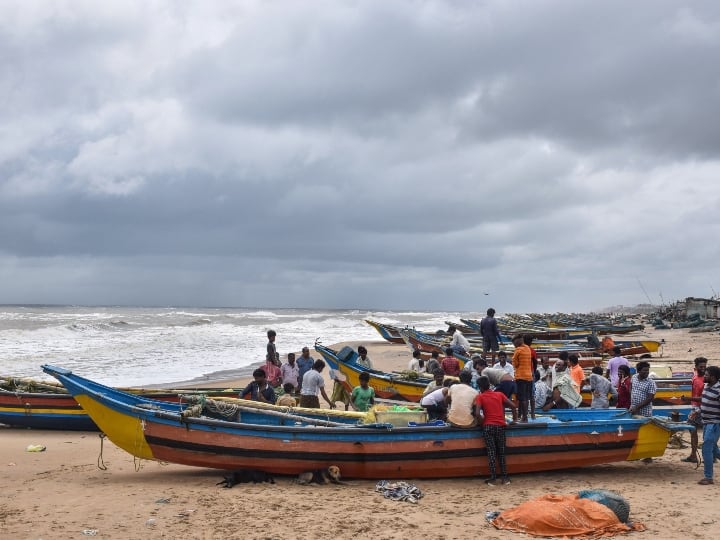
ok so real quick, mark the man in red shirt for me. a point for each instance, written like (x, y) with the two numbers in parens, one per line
(522, 361)
(450, 364)
(490, 413)
(696, 390)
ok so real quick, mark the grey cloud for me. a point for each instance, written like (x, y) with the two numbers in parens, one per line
(391, 155)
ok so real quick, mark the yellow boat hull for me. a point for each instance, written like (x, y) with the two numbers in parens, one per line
(127, 432)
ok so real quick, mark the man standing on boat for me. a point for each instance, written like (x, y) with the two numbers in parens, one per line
(490, 413)
(522, 361)
(459, 343)
(490, 334)
(710, 411)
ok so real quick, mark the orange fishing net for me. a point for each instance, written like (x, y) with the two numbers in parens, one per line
(563, 516)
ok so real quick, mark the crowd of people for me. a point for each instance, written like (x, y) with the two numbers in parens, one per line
(480, 392)
(281, 383)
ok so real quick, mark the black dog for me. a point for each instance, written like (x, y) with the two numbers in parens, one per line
(245, 476)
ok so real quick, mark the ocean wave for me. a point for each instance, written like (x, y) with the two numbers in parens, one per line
(198, 322)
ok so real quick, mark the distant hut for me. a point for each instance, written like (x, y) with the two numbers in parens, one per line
(702, 307)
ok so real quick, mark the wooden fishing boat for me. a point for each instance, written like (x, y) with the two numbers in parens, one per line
(590, 353)
(386, 385)
(43, 411)
(397, 386)
(41, 405)
(151, 429)
(391, 333)
(387, 331)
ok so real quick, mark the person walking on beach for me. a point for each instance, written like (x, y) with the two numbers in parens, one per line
(460, 399)
(459, 343)
(305, 364)
(313, 383)
(290, 371)
(362, 359)
(450, 365)
(694, 417)
(710, 412)
(363, 396)
(490, 335)
(522, 360)
(614, 363)
(490, 413)
(259, 389)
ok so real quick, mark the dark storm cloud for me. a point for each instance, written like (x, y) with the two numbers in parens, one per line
(359, 154)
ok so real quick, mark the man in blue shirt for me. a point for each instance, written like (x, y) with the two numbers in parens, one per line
(259, 389)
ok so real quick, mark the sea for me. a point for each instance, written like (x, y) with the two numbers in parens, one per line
(148, 346)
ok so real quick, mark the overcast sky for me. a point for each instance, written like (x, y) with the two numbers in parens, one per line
(532, 156)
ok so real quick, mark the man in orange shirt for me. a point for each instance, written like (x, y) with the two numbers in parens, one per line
(522, 361)
(576, 372)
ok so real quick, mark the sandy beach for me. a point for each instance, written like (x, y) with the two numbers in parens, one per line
(62, 493)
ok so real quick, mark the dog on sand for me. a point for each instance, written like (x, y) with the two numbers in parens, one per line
(328, 475)
(245, 476)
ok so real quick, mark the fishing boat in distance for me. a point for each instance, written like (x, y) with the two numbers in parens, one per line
(150, 429)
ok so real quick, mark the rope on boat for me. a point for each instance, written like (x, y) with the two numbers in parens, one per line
(100, 462)
(232, 410)
(137, 461)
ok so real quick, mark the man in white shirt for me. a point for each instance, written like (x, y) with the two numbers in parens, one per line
(313, 383)
(502, 363)
(459, 343)
(461, 398)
